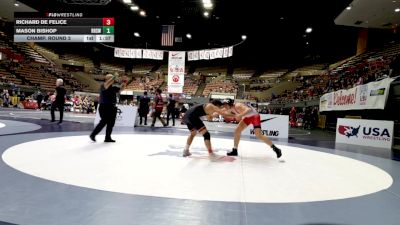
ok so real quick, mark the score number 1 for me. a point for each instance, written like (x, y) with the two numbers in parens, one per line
(108, 25)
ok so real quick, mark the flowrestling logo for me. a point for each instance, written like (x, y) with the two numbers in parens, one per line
(370, 133)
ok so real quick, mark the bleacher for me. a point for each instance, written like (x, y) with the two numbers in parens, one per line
(78, 59)
(8, 78)
(30, 53)
(211, 70)
(242, 73)
(142, 69)
(145, 83)
(273, 74)
(220, 85)
(112, 67)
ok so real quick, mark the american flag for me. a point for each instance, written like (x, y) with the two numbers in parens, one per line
(167, 35)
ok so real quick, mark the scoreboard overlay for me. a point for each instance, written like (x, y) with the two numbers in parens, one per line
(51, 28)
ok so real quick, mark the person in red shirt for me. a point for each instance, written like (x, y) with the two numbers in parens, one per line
(158, 108)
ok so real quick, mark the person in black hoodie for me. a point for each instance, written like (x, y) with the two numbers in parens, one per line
(171, 109)
(144, 107)
(108, 106)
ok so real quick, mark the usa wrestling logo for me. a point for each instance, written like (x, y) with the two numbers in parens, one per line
(348, 131)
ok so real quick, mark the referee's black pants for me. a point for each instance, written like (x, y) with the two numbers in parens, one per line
(108, 113)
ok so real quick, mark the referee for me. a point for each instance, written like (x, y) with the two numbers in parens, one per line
(107, 106)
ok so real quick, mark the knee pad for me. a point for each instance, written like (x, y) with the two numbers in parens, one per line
(207, 136)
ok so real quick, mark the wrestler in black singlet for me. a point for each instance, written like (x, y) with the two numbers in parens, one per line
(192, 117)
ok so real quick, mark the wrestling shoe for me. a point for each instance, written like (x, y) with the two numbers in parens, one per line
(234, 152)
(213, 156)
(93, 138)
(186, 153)
(277, 151)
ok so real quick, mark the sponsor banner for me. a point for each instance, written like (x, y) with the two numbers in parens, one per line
(176, 71)
(126, 116)
(274, 126)
(368, 96)
(374, 133)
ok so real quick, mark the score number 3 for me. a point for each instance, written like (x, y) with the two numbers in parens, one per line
(108, 21)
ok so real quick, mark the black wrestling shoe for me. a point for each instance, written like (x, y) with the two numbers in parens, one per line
(234, 152)
(93, 138)
(109, 140)
(277, 151)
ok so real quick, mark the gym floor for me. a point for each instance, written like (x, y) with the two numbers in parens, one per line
(54, 174)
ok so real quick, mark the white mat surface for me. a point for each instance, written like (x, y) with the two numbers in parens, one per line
(152, 165)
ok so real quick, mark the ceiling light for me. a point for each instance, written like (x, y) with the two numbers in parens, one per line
(135, 8)
(206, 14)
(244, 37)
(307, 43)
(127, 1)
(142, 13)
(308, 30)
(178, 17)
(348, 7)
(397, 10)
(189, 36)
(136, 34)
(282, 18)
(16, 4)
(208, 5)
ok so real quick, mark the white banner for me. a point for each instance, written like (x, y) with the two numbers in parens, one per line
(368, 96)
(195, 55)
(146, 54)
(212, 54)
(230, 51)
(176, 72)
(126, 116)
(226, 50)
(127, 53)
(220, 52)
(207, 54)
(137, 53)
(159, 54)
(276, 126)
(374, 133)
(201, 54)
(190, 56)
